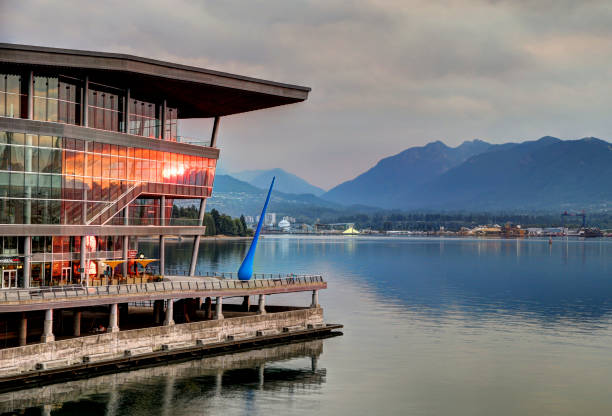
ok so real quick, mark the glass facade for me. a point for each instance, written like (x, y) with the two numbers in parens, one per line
(144, 119)
(56, 260)
(48, 180)
(170, 124)
(61, 180)
(104, 110)
(57, 99)
(11, 98)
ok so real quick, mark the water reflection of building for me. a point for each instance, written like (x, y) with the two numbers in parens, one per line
(210, 375)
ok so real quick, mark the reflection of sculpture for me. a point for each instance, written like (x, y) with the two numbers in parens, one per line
(246, 268)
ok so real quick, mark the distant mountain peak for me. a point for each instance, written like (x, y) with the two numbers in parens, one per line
(285, 181)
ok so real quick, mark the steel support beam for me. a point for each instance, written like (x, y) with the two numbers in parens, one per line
(215, 131)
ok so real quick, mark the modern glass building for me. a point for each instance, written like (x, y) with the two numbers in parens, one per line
(91, 159)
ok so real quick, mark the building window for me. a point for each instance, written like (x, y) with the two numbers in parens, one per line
(105, 110)
(56, 99)
(144, 120)
(53, 180)
(11, 97)
(170, 125)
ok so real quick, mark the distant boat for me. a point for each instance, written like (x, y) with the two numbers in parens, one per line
(592, 232)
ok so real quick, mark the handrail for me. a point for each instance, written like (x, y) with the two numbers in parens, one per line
(234, 275)
(109, 206)
(59, 292)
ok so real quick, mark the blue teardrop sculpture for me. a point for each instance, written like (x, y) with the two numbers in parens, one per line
(246, 268)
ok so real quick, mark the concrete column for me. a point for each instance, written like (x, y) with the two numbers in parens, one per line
(27, 248)
(215, 131)
(315, 299)
(27, 206)
(218, 382)
(76, 323)
(23, 329)
(162, 241)
(162, 255)
(126, 126)
(158, 307)
(47, 335)
(169, 320)
(85, 173)
(262, 370)
(314, 363)
(163, 120)
(208, 308)
(126, 241)
(113, 325)
(262, 305)
(85, 274)
(196, 241)
(246, 303)
(30, 95)
(219, 307)
(162, 210)
(85, 103)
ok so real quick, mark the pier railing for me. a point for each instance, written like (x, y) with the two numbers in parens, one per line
(234, 275)
(66, 292)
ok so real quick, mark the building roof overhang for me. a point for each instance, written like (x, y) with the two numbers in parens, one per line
(196, 92)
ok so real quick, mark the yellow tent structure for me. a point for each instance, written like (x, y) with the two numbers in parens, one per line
(350, 230)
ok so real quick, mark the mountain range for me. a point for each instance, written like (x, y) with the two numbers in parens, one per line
(285, 181)
(548, 174)
(545, 174)
(235, 197)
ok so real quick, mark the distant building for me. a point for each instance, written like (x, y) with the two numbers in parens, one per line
(270, 219)
(289, 219)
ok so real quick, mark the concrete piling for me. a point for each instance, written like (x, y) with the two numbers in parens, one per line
(47, 335)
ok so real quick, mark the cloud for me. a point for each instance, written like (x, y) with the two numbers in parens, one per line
(386, 74)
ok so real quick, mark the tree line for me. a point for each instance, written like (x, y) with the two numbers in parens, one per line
(221, 224)
(216, 223)
(431, 221)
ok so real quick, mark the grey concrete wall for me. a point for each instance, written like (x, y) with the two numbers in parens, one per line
(21, 359)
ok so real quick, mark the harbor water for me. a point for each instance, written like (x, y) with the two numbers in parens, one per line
(432, 327)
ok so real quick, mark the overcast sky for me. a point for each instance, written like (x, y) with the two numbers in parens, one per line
(385, 74)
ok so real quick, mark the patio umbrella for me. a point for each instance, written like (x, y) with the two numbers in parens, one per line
(113, 264)
(144, 262)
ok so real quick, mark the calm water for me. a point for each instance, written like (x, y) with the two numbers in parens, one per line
(432, 327)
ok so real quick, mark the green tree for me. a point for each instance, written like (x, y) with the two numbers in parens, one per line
(238, 227)
(243, 225)
(209, 222)
(217, 219)
(227, 225)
